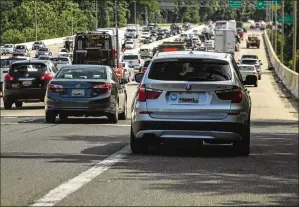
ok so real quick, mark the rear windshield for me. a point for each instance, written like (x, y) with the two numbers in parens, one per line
(249, 62)
(246, 68)
(190, 70)
(38, 43)
(82, 73)
(59, 59)
(30, 67)
(7, 46)
(130, 43)
(130, 57)
(43, 49)
(21, 47)
(44, 58)
(18, 54)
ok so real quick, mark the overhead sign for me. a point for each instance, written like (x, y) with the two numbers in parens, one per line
(261, 4)
(287, 19)
(235, 4)
(276, 7)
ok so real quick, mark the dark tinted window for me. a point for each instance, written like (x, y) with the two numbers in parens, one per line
(249, 62)
(59, 59)
(250, 56)
(7, 46)
(28, 67)
(82, 73)
(20, 47)
(130, 57)
(43, 49)
(190, 70)
(43, 58)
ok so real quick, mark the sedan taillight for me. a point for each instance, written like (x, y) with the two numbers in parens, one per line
(102, 88)
(55, 88)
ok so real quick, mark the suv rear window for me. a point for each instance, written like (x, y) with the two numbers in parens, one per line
(82, 73)
(249, 62)
(190, 70)
(146, 63)
(31, 67)
(20, 47)
(250, 56)
(130, 57)
(59, 59)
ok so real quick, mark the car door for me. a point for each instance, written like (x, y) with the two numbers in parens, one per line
(120, 88)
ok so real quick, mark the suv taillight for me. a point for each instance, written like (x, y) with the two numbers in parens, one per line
(9, 78)
(102, 88)
(139, 61)
(148, 93)
(46, 76)
(234, 94)
(55, 88)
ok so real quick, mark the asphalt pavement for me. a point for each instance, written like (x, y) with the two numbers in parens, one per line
(87, 162)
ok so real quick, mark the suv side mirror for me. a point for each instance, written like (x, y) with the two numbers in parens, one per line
(139, 77)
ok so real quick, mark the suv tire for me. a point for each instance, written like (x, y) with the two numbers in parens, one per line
(138, 146)
(19, 104)
(50, 117)
(242, 147)
(7, 103)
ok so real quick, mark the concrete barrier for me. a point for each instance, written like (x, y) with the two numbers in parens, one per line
(288, 77)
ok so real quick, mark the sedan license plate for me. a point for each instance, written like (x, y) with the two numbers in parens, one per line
(77, 92)
(188, 98)
(27, 83)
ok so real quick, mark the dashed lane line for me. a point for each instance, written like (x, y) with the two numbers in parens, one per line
(74, 184)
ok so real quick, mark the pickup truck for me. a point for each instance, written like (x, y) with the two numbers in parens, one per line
(253, 41)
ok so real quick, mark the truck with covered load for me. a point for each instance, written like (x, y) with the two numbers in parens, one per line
(172, 46)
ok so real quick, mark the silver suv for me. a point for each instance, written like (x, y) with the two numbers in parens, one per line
(191, 95)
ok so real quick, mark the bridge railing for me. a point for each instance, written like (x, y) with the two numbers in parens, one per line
(288, 77)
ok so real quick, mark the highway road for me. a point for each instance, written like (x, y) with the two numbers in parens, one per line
(87, 162)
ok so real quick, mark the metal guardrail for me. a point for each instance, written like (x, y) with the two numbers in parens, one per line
(288, 77)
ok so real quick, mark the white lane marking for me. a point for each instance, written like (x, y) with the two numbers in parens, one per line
(9, 123)
(120, 125)
(74, 184)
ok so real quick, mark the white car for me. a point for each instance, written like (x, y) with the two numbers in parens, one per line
(196, 41)
(134, 60)
(145, 52)
(61, 61)
(129, 73)
(145, 35)
(64, 53)
(7, 49)
(248, 70)
(129, 45)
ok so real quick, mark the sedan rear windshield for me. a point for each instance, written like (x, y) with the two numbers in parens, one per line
(246, 68)
(250, 56)
(249, 62)
(130, 57)
(190, 70)
(21, 47)
(30, 67)
(82, 73)
(59, 59)
(43, 49)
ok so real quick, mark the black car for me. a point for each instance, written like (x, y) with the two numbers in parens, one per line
(26, 81)
(86, 90)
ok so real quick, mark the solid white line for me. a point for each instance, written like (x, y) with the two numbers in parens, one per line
(120, 125)
(74, 184)
(9, 123)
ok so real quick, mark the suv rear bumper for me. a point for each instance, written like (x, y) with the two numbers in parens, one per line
(189, 130)
(27, 95)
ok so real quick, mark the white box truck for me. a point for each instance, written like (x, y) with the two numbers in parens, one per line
(223, 24)
(225, 41)
(132, 30)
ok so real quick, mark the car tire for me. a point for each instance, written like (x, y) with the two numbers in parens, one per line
(123, 115)
(50, 117)
(113, 117)
(7, 103)
(138, 146)
(260, 77)
(242, 147)
(19, 104)
(63, 116)
(256, 85)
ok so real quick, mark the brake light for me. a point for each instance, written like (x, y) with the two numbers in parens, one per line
(46, 76)
(9, 78)
(102, 88)
(139, 61)
(234, 94)
(147, 93)
(55, 88)
(254, 73)
(143, 70)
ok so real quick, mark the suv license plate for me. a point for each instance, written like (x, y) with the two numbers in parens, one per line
(77, 92)
(188, 98)
(27, 83)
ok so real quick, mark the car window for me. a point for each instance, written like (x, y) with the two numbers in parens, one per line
(190, 70)
(28, 67)
(82, 73)
(7, 46)
(43, 49)
(249, 62)
(146, 63)
(21, 47)
(43, 58)
(246, 68)
(250, 56)
(130, 57)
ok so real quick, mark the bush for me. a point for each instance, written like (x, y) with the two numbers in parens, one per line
(13, 36)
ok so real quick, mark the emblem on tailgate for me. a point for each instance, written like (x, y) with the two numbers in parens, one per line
(26, 75)
(188, 87)
(78, 86)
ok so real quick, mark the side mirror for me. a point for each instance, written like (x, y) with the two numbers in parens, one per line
(139, 77)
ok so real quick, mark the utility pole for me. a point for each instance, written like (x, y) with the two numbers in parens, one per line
(96, 4)
(276, 28)
(272, 19)
(294, 34)
(135, 15)
(146, 18)
(72, 21)
(35, 14)
(282, 31)
(117, 41)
